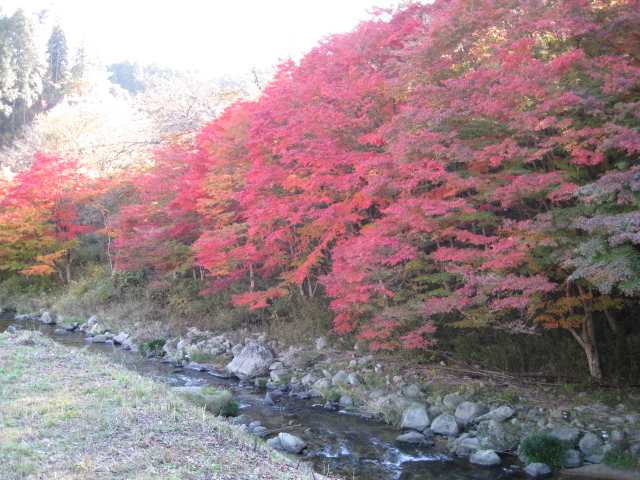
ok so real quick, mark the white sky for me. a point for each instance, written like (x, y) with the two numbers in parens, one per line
(215, 36)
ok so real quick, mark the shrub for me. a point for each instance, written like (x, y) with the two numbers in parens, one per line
(543, 448)
(220, 401)
(151, 347)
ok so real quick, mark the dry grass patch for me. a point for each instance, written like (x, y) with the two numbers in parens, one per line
(69, 414)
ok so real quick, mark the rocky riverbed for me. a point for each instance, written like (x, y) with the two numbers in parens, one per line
(479, 427)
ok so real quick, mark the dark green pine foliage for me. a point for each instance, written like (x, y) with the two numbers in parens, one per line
(55, 80)
(22, 78)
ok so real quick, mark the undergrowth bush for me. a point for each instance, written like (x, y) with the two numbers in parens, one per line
(151, 347)
(543, 448)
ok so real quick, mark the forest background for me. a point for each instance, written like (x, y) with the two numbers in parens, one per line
(460, 176)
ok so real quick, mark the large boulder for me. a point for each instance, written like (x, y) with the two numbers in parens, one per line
(48, 319)
(568, 435)
(536, 470)
(590, 443)
(500, 414)
(291, 443)
(488, 458)
(415, 418)
(493, 435)
(466, 412)
(446, 424)
(252, 361)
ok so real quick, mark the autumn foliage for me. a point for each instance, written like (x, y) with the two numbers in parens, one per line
(474, 164)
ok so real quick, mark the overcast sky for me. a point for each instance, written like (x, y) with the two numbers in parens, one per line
(216, 36)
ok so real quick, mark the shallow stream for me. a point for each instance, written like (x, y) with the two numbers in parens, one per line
(345, 445)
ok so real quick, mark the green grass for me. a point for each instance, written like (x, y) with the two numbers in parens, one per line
(616, 458)
(543, 448)
(84, 417)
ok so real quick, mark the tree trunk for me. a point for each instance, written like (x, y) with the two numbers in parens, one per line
(587, 337)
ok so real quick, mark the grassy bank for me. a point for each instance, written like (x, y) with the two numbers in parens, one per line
(69, 414)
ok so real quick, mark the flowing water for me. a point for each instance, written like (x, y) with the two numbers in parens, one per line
(344, 445)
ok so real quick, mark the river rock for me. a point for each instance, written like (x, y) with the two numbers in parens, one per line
(61, 331)
(340, 378)
(121, 337)
(291, 443)
(355, 379)
(465, 447)
(99, 339)
(312, 377)
(11, 329)
(488, 458)
(493, 435)
(91, 321)
(48, 318)
(281, 375)
(598, 455)
(469, 411)
(412, 390)
(321, 343)
(590, 443)
(322, 385)
(198, 367)
(411, 438)
(451, 400)
(573, 460)
(537, 470)
(252, 361)
(346, 401)
(568, 435)
(446, 424)
(500, 414)
(275, 443)
(415, 418)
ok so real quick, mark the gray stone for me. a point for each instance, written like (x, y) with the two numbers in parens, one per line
(260, 431)
(451, 400)
(198, 367)
(568, 435)
(252, 361)
(573, 460)
(235, 350)
(275, 443)
(412, 391)
(465, 447)
(239, 420)
(487, 458)
(276, 366)
(281, 375)
(12, 329)
(355, 379)
(446, 424)
(415, 418)
(590, 443)
(121, 337)
(346, 401)
(99, 339)
(322, 385)
(312, 377)
(60, 331)
(91, 321)
(435, 411)
(340, 378)
(271, 398)
(412, 438)
(321, 343)
(467, 412)
(537, 470)
(291, 443)
(493, 435)
(500, 414)
(48, 318)
(598, 455)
